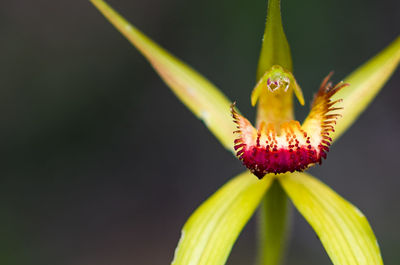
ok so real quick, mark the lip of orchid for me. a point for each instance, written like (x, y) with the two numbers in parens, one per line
(288, 146)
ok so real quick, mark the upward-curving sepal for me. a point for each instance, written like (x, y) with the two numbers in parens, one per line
(365, 83)
(275, 48)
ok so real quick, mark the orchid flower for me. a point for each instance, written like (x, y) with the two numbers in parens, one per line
(276, 150)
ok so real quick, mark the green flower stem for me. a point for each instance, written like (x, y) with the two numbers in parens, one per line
(273, 225)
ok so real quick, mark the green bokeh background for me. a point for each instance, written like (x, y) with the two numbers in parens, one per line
(101, 163)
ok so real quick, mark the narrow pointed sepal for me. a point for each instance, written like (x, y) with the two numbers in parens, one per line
(196, 92)
(343, 230)
(275, 48)
(209, 234)
(365, 83)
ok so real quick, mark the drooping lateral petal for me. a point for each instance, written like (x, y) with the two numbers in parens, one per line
(343, 230)
(196, 92)
(209, 234)
(365, 83)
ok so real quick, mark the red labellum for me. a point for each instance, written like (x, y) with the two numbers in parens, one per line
(288, 147)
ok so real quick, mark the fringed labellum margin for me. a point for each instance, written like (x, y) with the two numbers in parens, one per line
(288, 146)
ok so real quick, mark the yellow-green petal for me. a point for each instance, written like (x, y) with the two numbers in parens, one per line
(209, 234)
(196, 92)
(365, 83)
(343, 230)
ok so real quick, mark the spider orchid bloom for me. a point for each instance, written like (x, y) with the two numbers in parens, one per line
(277, 150)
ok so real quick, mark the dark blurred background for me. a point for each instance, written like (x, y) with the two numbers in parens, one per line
(101, 164)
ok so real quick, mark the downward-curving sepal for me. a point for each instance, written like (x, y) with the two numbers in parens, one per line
(343, 230)
(288, 146)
